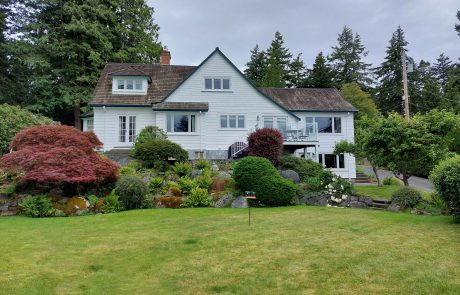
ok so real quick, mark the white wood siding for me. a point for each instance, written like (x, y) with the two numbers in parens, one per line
(242, 99)
(106, 124)
(327, 141)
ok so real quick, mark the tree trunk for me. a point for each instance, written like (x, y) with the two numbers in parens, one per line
(405, 179)
(76, 116)
(374, 168)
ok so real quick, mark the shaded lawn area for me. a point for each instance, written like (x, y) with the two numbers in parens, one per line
(382, 192)
(290, 250)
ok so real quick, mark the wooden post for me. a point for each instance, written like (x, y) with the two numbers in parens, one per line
(405, 85)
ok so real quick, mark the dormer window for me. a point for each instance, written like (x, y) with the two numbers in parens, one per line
(129, 85)
(216, 84)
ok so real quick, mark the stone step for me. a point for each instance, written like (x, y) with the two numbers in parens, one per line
(379, 205)
(381, 201)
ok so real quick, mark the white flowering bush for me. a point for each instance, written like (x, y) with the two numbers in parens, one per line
(339, 189)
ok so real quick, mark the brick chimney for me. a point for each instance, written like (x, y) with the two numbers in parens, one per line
(165, 57)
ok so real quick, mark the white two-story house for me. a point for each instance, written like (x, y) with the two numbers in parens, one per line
(211, 108)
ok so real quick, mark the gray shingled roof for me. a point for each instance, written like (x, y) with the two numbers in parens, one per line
(309, 99)
(179, 106)
(163, 79)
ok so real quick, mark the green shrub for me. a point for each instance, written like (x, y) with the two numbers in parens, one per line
(204, 180)
(314, 184)
(202, 164)
(199, 197)
(248, 171)
(446, 179)
(111, 203)
(339, 189)
(92, 199)
(186, 185)
(150, 133)
(37, 206)
(155, 184)
(10, 189)
(131, 190)
(406, 197)
(182, 169)
(156, 154)
(326, 177)
(391, 180)
(305, 168)
(126, 170)
(273, 190)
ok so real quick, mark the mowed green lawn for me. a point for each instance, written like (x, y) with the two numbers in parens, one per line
(291, 250)
(383, 192)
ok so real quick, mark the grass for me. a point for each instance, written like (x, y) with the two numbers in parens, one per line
(290, 250)
(382, 192)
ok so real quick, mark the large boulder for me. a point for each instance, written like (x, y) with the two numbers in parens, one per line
(76, 206)
(224, 201)
(290, 174)
(240, 202)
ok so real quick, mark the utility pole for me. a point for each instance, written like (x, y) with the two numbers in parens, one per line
(405, 85)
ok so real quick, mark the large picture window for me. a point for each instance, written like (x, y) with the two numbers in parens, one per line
(332, 161)
(181, 123)
(232, 121)
(127, 128)
(325, 124)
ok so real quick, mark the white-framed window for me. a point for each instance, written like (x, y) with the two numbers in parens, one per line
(332, 161)
(216, 83)
(89, 124)
(279, 123)
(127, 128)
(326, 124)
(129, 85)
(232, 121)
(181, 123)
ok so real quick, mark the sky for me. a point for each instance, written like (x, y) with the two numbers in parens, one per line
(192, 29)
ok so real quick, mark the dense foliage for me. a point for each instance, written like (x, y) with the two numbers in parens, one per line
(305, 168)
(199, 197)
(267, 143)
(182, 169)
(58, 155)
(157, 153)
(274, 190)
(13, 119)
(131, 191)
(37, 206)
(446, 180)
(360, 100)
(250, 170)
(150, 133)
(406, 197)
(60, 47)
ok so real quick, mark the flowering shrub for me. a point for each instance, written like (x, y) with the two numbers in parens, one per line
(339, 189)
(266, 143)
(58, 155)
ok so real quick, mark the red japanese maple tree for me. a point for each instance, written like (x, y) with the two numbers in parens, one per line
(267, 143)
(58, 155)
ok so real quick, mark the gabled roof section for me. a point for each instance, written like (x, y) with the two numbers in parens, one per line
(310, 99)
(163, 79)
(130, 70)
(217, 51)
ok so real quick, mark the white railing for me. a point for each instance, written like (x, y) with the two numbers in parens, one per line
(300, 132)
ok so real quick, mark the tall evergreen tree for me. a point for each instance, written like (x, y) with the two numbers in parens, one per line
(389, 90)
(256, 67)
(321, 75)
(297, 73)
(347, 59)
(457, 26)
(451, 99)
(425, 91)
(278, 59)
(72, 40)
(441, 68)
